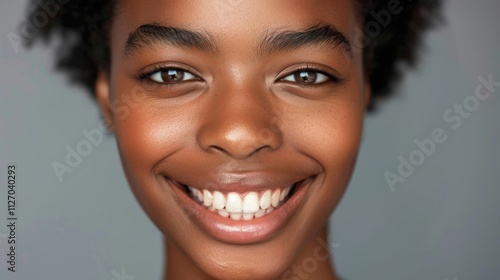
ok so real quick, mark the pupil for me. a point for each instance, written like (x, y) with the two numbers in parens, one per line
(173, 75)
(306, 77)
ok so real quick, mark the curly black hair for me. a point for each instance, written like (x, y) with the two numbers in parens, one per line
(83, 26)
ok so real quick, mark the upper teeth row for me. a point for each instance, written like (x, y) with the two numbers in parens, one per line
(233, 203)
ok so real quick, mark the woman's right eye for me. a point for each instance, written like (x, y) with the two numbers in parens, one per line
(171, 76)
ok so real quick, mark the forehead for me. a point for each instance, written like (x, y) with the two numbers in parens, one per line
(230, 21)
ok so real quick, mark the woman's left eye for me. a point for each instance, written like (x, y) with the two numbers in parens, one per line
(171, 76)
(307, 77)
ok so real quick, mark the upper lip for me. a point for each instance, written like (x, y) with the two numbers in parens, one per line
(240, 181)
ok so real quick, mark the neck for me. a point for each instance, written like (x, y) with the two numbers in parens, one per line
(314, 262)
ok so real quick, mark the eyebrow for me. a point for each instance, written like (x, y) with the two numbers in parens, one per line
(326, 35)
(150, 34)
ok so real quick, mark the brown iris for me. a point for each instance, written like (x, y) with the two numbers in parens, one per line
(172, 76)
(306, 77)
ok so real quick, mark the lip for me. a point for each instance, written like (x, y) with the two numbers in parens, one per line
(241, 232)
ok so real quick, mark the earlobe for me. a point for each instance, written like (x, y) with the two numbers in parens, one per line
(102, 92)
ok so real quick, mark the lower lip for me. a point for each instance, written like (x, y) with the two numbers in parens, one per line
(242, 232)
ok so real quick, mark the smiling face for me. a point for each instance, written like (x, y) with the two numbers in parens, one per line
(257, 106)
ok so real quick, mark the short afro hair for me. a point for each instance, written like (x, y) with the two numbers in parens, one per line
(83, 27)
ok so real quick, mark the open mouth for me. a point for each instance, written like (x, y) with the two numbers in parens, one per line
(242, 206)
(242, 217)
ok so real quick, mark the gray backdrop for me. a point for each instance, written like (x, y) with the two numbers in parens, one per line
(441, 223)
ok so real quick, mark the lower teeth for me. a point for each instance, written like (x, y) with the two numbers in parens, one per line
(242, 216)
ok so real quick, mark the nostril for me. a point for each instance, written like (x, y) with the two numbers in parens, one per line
(239, 137)
(239, 151)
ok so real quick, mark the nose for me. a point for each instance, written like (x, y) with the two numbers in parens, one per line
(239, 122)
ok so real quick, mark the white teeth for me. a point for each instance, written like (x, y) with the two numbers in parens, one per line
(219, 201)
(233, 203)
(260, 213)
(207, 198)
(251, 203)
(223, 213)
(200, 195)
(232, 206)
(282, 195)
(265, 200)
(275, 199)
(285, 192)
(247, 216)
(235, 216)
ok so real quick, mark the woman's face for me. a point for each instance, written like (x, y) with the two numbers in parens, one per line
(240, 100)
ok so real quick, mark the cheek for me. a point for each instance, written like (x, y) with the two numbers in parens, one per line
(148, 133)
(142, 137)
(331, 133)
(340, 138)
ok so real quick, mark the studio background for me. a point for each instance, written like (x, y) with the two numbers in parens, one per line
(442, 222)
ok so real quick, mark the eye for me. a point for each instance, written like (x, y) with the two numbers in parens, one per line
(307, 77)
(171, 76)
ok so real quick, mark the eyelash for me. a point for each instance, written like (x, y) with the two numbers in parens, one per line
(146, 75)
(332, 78)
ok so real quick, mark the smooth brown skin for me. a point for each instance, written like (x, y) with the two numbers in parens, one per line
(239, 116)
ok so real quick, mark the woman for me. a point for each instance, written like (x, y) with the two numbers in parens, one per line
(239, 122)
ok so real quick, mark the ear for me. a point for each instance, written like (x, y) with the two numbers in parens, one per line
(102, 92)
